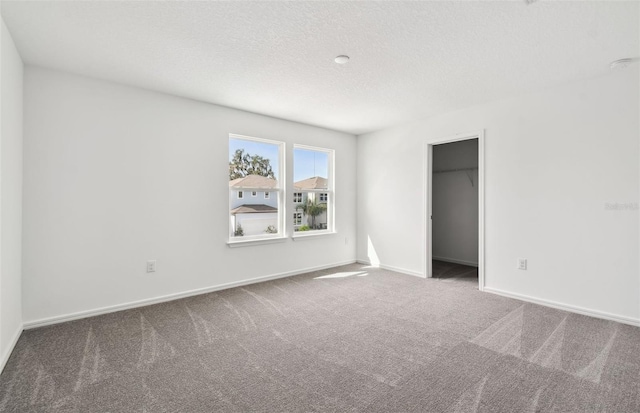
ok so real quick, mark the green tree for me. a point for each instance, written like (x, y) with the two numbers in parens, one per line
(312, 209)
(243, 164)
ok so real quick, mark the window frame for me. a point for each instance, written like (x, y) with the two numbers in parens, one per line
(279, 192)
(329, 191)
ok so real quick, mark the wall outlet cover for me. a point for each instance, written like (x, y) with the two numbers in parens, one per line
(522, 263)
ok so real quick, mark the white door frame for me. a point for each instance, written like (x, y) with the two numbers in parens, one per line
(428, 202)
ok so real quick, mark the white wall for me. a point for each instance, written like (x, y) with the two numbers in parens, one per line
(455, 202)
(115, 176)
(11, 74)
(553, 159)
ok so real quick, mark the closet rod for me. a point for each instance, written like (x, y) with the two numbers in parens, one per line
(455, 170)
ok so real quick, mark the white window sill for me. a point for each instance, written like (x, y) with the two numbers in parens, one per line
(311, 234)
(251, 242)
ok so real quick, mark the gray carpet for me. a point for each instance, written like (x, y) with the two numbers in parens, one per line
(447, 271)
(346, 339)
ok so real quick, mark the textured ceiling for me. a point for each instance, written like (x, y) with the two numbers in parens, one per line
(408, 59)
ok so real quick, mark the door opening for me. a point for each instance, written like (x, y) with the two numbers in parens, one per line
(455, 216)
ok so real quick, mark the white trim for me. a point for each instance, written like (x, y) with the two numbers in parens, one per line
(566, 307)
(392, 268)
(314, 191)
(259, 241)
(427, 205)
(312, 148)
(427, 235)
(253, 138)
(171, 297)
(299, 235)
(254, 188)
(455, 261)
(331, 182)
(280, 190)
(12, 345)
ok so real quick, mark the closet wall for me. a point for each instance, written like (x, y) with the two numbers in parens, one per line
(455, 202)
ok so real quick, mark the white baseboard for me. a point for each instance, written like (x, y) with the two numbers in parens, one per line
(392, 268)
(566, 307)
(12, 345)
(170, 297)
(455, 261)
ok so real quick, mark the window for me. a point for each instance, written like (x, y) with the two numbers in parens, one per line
(297, 218)
(255, 166)
(313, 183)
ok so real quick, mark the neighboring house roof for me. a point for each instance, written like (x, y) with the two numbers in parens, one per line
(254, 181)
(311, 183)
(253, 209)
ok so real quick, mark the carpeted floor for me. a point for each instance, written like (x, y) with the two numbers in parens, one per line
(347, 339)
(447, 271)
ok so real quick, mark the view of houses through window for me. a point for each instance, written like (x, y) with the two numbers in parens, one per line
(255, 193)
(312, 188)
(254, 168)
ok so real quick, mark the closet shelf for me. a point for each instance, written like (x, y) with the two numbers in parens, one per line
(455, 170)
(466, 170)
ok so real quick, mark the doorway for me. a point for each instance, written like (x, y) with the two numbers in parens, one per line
(454, 208)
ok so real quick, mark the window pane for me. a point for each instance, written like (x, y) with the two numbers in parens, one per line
(311, 174)
(313, 212)
(310, 169)
(253, 159)
(254, 167)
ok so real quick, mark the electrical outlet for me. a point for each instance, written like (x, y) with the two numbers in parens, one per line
(151, 266)
(522, 263)
(346, 241)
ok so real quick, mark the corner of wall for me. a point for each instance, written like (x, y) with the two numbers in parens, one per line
(6, 353)
(11, 182)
